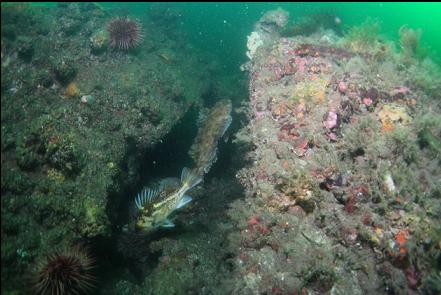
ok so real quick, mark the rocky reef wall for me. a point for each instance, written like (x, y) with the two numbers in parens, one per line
(342, 195)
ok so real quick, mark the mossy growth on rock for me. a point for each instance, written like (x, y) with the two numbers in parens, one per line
(320, 279)
(65, 71)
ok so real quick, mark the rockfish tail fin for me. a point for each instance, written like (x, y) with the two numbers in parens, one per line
(190, 178)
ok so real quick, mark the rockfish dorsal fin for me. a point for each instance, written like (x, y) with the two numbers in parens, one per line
(146, 196)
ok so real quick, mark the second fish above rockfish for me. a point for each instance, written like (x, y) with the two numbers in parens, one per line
(216, 123)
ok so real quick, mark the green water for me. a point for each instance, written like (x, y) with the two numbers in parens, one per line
(222, 28)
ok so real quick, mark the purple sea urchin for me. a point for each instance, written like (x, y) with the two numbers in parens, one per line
(124, 33)
(63, 273)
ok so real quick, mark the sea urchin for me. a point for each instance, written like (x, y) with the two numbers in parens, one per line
(124, 33)
(65, 273)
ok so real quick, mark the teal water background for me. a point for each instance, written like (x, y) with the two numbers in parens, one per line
(221, 28)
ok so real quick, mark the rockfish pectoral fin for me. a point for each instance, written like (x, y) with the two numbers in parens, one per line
(211, 160)
(228, 121)
(184, 201)
(167, 223)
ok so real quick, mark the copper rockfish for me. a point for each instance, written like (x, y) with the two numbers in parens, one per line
(154, 206)
(204, 149)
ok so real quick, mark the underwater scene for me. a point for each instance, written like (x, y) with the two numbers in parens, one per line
(220, 148)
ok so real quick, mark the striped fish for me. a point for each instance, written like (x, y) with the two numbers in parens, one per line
(154, 206)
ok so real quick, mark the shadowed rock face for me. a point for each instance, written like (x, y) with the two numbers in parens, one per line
(67, 161)
(216, 123)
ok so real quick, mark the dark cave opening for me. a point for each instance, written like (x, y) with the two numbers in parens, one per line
(171, 155)
(115, 253)
(166, 159)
